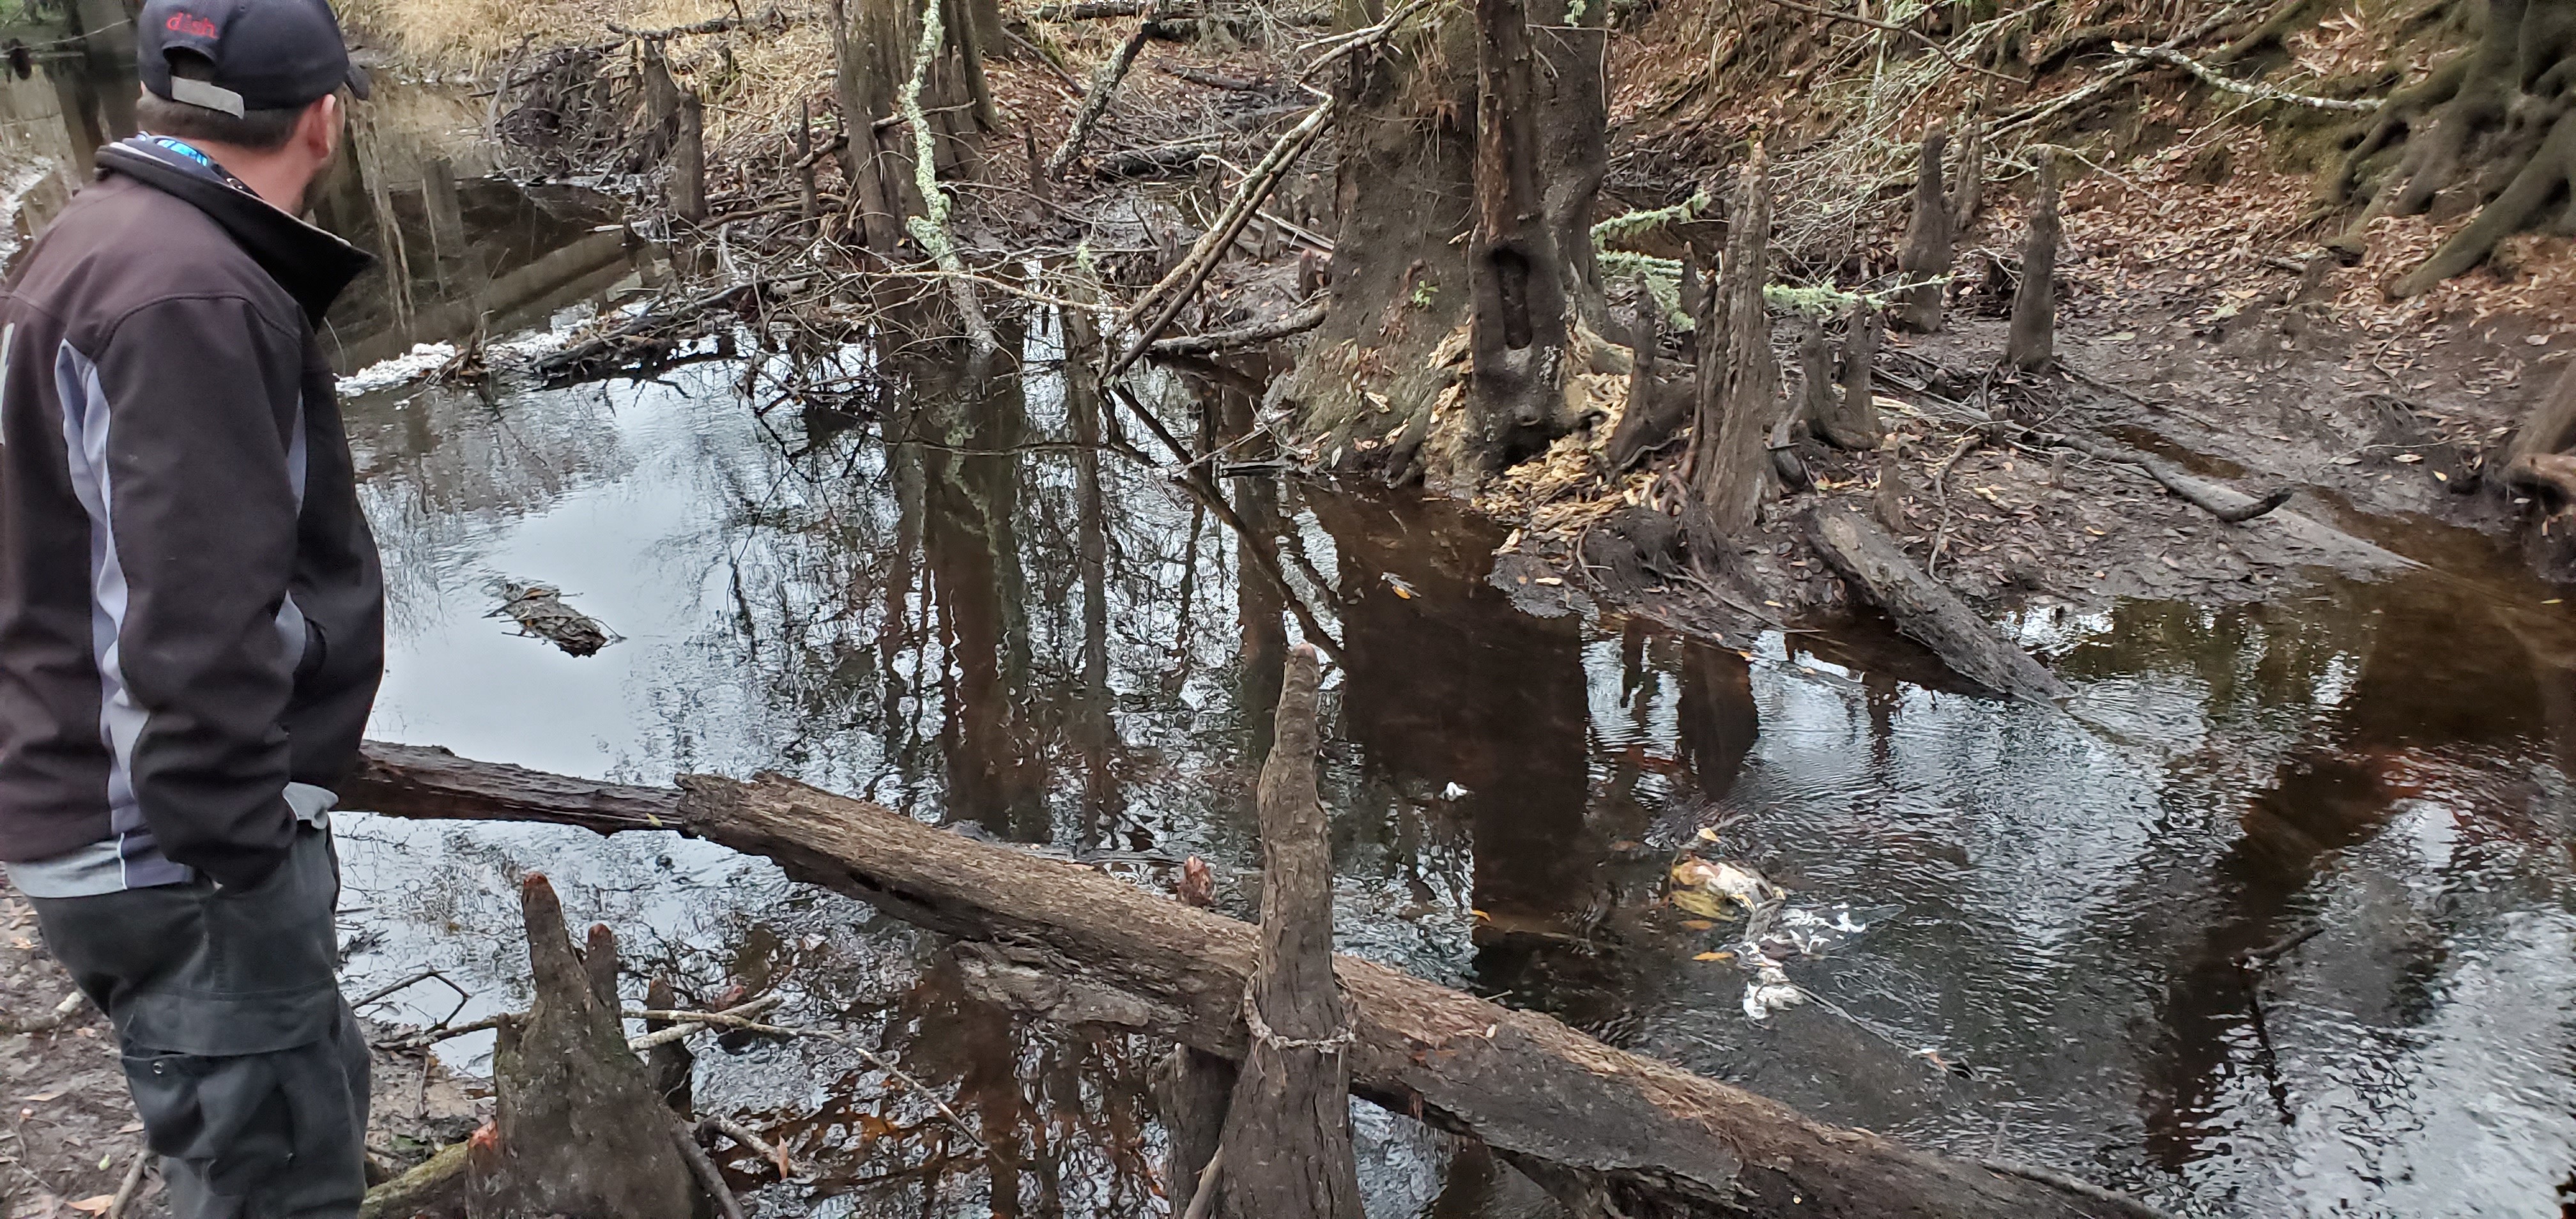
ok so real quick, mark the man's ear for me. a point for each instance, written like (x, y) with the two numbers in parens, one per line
(317, 131)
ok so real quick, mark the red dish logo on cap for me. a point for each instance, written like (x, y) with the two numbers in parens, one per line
(192, 25)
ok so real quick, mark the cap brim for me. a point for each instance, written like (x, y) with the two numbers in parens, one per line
(357, 82)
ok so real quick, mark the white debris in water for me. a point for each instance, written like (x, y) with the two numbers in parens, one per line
(530, 346)
(422, 360)
(1770, 990)
(1453, 792)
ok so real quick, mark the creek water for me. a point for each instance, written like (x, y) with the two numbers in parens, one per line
(964, 595)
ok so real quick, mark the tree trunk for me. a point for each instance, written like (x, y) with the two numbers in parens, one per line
(1191, 1088)
(1925, 260)
(1072, 944)
(866, 54)
(2032, 342)
(1415, 247)
(1289, 1127)
(581, 1133)
(1654, 411)
(1739, 378)
(689, 161)
(1859, 419)
(1516, 319)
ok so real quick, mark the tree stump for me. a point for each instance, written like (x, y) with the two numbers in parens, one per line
(1739, 378)
(577, 1128)
(1288, 1129)
(2032, 343)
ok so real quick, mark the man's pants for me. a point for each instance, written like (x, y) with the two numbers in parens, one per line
(247, 1067)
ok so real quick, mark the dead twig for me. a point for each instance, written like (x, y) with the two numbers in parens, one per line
(130, 1186)
(732, 1020)
(1204, 1197)
(752, 1142)
(1174, 290)
(1909, 31)
(1267, 330)
(704, 1169)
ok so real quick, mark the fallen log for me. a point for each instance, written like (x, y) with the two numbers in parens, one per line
(1924, 610)
(1077, 946)
(1157, 160)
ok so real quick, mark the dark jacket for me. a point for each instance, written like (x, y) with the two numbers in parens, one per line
(191, 612)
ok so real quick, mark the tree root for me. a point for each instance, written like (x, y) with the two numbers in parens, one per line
(2550, 168)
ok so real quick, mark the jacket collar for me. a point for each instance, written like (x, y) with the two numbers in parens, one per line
(312, 265)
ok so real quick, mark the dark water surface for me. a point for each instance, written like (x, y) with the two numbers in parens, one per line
(957, 596)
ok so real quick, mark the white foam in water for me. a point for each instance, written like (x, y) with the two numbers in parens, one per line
(420, 361)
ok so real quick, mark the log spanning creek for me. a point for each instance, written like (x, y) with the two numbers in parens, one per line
(2280, 920)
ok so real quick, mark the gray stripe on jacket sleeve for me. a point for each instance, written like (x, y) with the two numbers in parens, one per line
(120, 722)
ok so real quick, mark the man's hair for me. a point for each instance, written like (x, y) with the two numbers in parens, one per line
(257, 130)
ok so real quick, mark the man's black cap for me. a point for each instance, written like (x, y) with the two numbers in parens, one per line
(267, 54)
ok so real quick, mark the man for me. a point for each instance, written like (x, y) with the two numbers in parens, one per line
(191, 613)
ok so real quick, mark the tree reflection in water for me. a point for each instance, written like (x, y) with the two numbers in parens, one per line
(970, 597)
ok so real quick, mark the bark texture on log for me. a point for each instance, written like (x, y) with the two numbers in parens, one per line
(435, 1186)
(581, 1133)
(1925, 259)
(1924, 610)
(2032, 343)
(1289, 1126)
(1739, 378)
(1082, 947)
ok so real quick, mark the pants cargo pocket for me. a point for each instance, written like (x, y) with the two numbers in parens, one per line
(225, 1120)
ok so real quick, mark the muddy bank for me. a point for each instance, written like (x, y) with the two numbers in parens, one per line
(73, 1134)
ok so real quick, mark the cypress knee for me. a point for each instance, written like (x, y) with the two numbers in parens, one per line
(2032, 343)
(1925, 260)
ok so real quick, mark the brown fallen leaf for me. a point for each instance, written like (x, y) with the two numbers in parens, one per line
(95, 1204)
(42, 1097)
(1714, 956)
